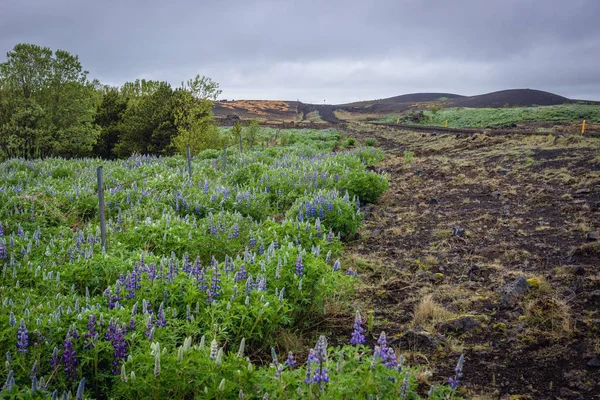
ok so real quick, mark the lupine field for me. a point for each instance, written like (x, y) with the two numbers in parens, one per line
(199, 279)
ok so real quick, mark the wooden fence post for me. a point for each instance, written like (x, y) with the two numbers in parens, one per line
(101, 207)
(189, 162)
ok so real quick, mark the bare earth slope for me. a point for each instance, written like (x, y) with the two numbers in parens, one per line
(465, 220)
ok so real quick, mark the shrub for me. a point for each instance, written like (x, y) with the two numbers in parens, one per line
(367, 186)
(371, 142)
(340, 215)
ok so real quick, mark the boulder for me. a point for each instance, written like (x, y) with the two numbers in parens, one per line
(459, 325)
(514, 292)
(592, 236)
(419, 340)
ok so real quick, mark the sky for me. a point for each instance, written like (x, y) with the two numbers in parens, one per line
(324, 50)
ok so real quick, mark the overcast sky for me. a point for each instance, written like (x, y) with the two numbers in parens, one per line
(324, 50)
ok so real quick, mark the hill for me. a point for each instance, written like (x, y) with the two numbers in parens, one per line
(511, 97)
(404, 98)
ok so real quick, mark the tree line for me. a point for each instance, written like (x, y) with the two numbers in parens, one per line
(49, 107)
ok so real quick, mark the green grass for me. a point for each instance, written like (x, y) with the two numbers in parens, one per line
(478, 117)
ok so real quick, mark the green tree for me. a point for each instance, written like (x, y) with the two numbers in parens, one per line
(48, 104)
(109, 117)
(148, 125)
(252, 131)
(194, 119)
(236, 133)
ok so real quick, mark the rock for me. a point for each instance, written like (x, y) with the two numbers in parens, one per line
(594, 296)
(514, 292)
(418, 340)
(582, 191)
(593, 235)
(594, 363)
(458, 231)
(459, 325)
(497, 194)
(569, 394)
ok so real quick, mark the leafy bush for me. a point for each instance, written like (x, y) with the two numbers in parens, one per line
(371, 142)
(335, 214)
(367, 186)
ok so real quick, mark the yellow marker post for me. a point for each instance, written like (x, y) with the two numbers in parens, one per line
(583, 127)
(445, 123)
(397, 121)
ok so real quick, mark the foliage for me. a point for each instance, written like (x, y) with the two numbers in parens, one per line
(109, 117)
(48, 107)
(251, 133)
(47, 103)
(480, 117)
(194, 121)
(371, 142)
(367, 186)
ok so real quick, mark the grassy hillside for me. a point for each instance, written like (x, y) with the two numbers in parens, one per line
(478, 117)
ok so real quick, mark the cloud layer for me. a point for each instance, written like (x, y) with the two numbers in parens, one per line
(332, 51)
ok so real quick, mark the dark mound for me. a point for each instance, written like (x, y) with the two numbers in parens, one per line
(512, 97)
(405, 98)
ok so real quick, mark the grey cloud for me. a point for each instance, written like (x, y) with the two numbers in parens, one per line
(334, 50)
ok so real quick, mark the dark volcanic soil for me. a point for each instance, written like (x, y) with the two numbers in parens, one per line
(466, 218)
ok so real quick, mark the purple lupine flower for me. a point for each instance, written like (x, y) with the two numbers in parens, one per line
(390, 358)
(235, 232)
(321, 374)
(34, 370)
(1, 230)
(261, 248)
(73, 332)
(22, 338)
(3, 251)
(80, 389)
(337, 265)
(252, 242)
(11, 319)
(55, 359)
(116, 337)
(150, 327)
(454, 382)
(330, 236)
(70, 359)
(299, 265)
(91, 334)
(132, 324)
(215, 286)
(130, 284)
(201, 280)
(352, 272)
(160, 316)
(312, 359)
(241, 274)
(358, 336)
(290, 361)
(318, 228)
